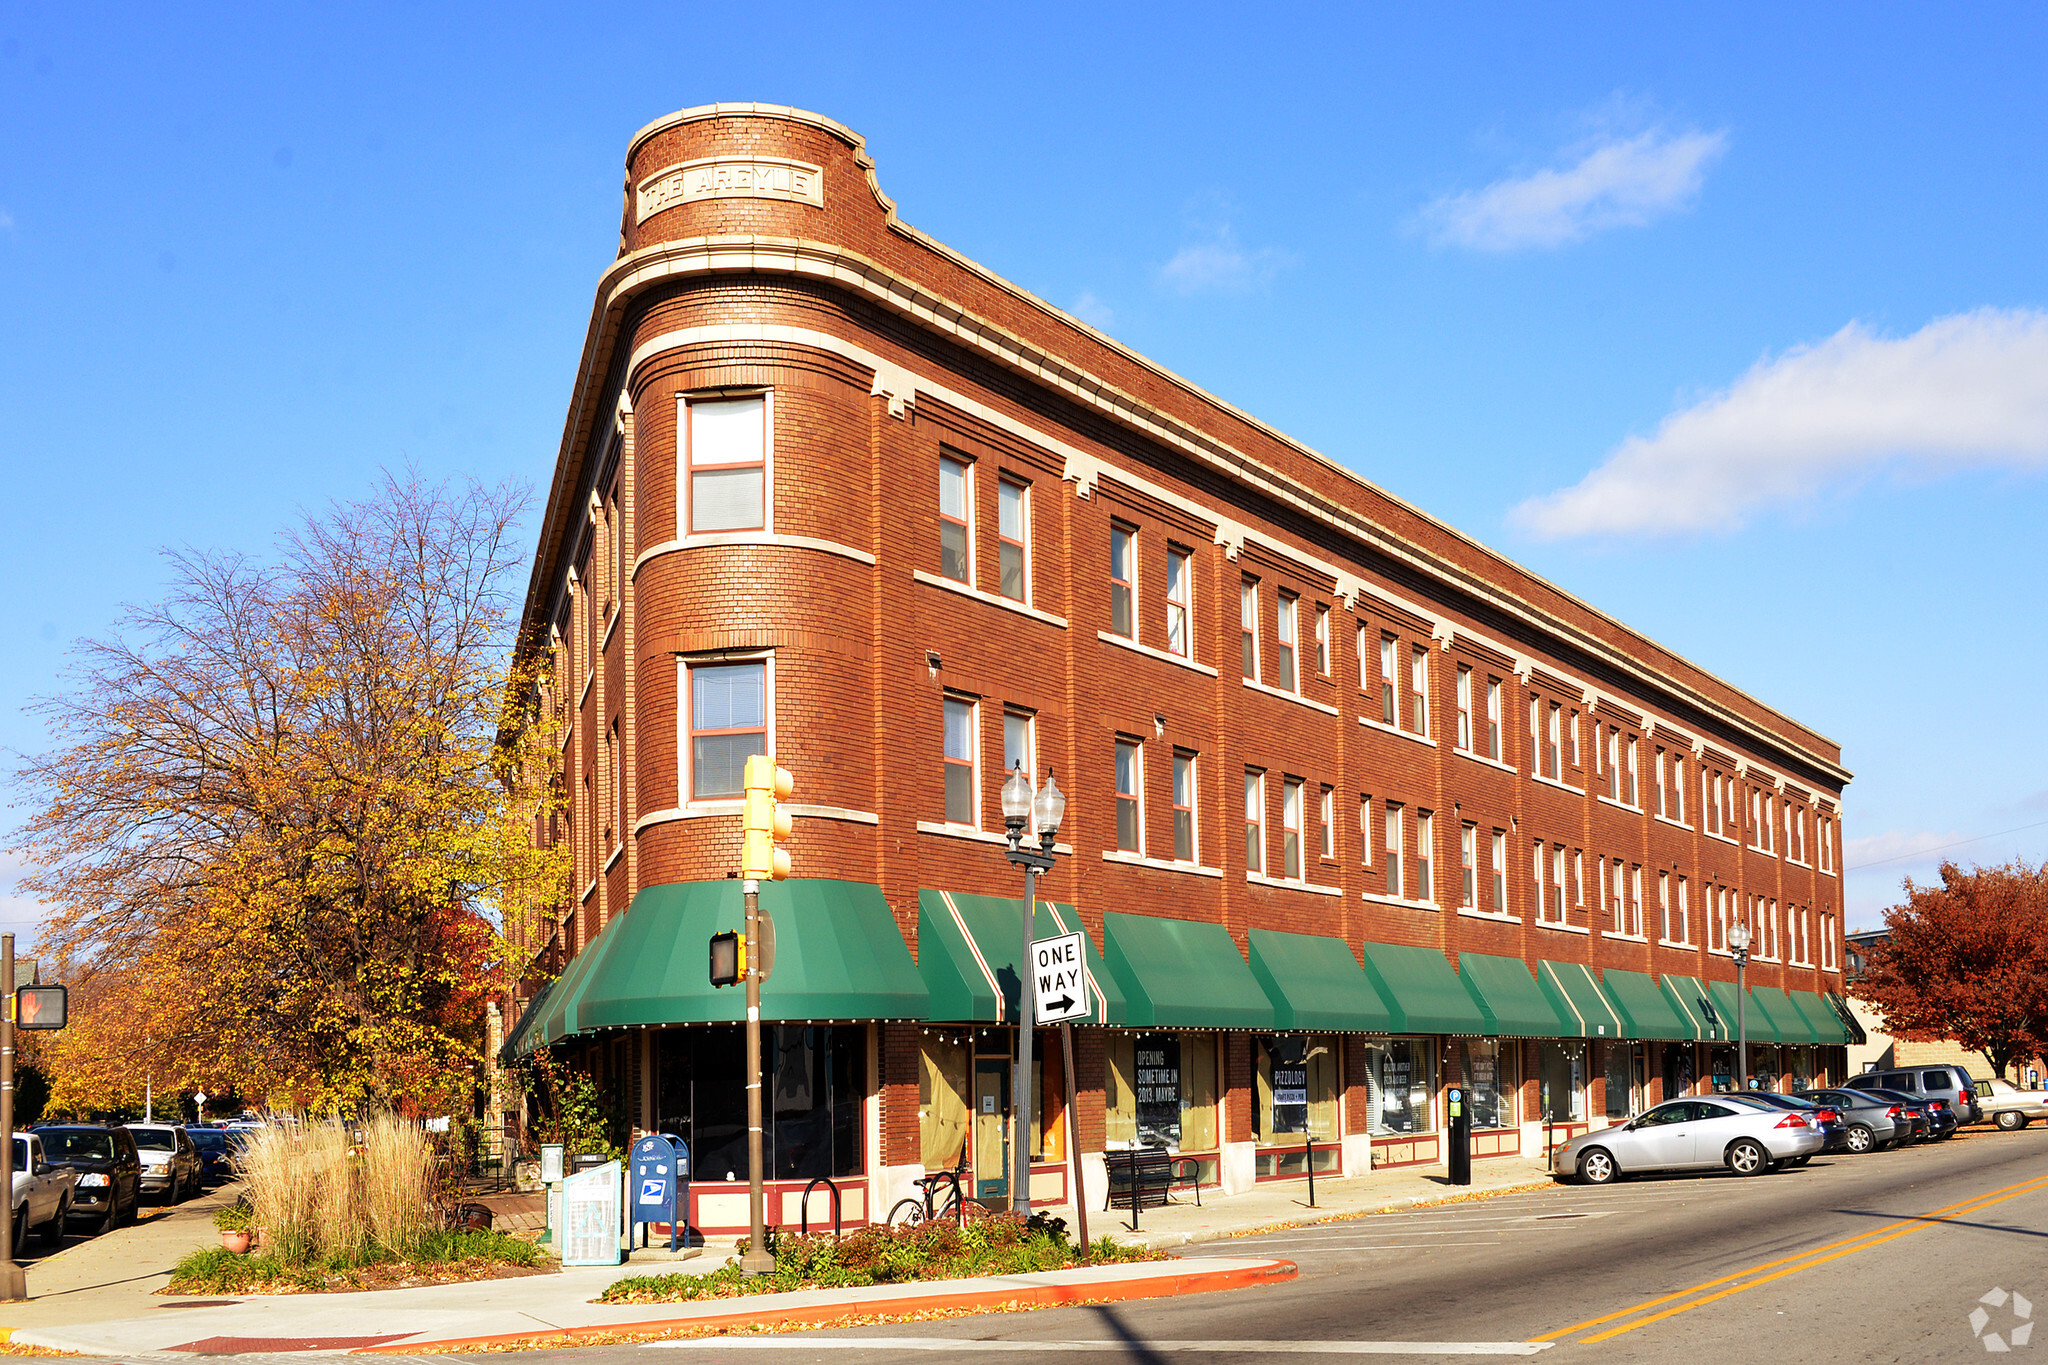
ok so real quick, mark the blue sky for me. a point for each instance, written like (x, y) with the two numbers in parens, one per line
(1530, 269)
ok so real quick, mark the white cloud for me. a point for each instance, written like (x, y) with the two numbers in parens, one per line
(1219, 265)
(1965, 391)
(1093, 311)
(1624, 182)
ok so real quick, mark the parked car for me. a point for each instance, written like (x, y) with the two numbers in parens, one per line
(1873, 1123)
(170, 1163)
(108, 1165)
(1951, 1083)
(216, 1154)
(2008, 1106)
(42, 1194)
(1937, 1119)
(1748, 1139)
(1823, 1117)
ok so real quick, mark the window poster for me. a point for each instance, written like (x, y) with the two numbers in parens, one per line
(1156, 1084)
(1288, 1060)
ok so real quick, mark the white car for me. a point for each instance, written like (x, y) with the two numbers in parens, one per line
(1681, 1135)
(42, 1194)
(2008, 1106)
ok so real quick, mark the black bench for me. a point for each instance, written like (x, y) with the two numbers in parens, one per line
(1143, 1177)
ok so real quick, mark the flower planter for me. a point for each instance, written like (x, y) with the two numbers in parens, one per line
(236, 1241)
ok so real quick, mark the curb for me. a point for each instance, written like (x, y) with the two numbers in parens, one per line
(743, 1310)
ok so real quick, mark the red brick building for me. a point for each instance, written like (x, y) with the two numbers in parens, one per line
(1359, 810)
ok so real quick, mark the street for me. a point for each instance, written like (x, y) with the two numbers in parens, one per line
(1874, 1258)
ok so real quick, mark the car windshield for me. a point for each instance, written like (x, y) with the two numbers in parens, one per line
(65, 1146)
(157, 1140)
(210, 1139)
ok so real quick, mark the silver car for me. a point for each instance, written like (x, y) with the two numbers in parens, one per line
(1681, 1135)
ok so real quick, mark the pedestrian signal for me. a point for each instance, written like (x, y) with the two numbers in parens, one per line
(766, 825)
(728, 959)
(40, 1007)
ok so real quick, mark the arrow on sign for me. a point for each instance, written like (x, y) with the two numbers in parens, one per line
(1061, 1005)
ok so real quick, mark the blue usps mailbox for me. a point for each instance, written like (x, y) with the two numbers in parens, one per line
(661, 1188)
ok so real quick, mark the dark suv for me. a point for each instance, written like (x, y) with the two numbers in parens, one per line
(109, 1170)
(1950, 1083)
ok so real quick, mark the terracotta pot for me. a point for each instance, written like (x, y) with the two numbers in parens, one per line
(236, 1241)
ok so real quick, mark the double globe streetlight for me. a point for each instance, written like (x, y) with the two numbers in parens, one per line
(1739, 939)
(1042, 809)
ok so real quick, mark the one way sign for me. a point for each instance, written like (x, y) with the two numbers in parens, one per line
(1061, 983)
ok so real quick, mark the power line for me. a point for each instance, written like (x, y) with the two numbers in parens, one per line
(1973, 839)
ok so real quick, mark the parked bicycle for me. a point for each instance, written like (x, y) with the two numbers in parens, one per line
(953, 1204)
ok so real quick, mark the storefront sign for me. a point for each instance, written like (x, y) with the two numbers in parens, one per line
(1290, 1086)
(1156, 1083)
(731, 177)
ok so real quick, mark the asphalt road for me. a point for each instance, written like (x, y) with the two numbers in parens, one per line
(1875, 1258)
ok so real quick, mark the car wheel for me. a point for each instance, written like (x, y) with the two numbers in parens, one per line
(2012, 1120)
(1596, 1167)
(53, 1231)
(1860, 1137)
(1748, 1157)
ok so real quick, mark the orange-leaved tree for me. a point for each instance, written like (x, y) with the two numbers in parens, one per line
(282, 836)
(1967, 960)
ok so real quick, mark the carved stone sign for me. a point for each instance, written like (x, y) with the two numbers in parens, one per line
(731, 177)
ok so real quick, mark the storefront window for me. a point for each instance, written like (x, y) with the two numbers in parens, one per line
(1621, 1080)
(1721, 1067)
(1679, 1072)
(815, 1079)
(1489, 1075)
(1049, 1113)
(1764, 1067)
(941, 1101)
(1399, 1080)
(1160, 1091)
(1802, 1068)
(1297, 1083)
(1562, 1071)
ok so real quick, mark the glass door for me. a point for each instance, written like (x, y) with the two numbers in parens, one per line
(991, 1128)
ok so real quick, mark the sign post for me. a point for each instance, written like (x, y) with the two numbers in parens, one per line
(13, 1279)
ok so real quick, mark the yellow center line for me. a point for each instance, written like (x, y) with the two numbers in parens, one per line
(1791, 1264)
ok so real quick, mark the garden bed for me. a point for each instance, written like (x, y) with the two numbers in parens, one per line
(446, 1258)
(1000, 1244)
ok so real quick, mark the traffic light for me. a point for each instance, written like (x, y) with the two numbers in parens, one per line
(728, 959)
(766, 826)
(40, 1006)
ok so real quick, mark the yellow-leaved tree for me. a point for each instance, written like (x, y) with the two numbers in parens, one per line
(288, 853)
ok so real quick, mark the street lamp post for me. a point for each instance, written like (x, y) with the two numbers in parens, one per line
(1043, 809)
(1738, 944)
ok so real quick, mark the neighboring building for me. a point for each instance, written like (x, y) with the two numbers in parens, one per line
(1358, 808)
(1876, 1050)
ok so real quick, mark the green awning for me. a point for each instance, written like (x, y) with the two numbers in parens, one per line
(1793, 1024)
(1757, 1025)
(519, 1041)
(1315, 984)
(967, 950)
(1422, 991)
(1689, 999)
(1827, 1028)
(1644, 1009)
(1179, 973)
(1584, 1007)
(1851, 1028)
(1507, 991)
(838, 955)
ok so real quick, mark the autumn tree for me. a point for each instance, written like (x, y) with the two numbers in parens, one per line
(285, 845)
(1967, 960)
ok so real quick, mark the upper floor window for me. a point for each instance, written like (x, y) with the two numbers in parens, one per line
(1664, 907)
(728, 724)
(1825, 829)
(1326, 825)
(615, 539)
(1179, 600)
(1130, 787)
(1254, 820)
(1677, 811)
(1635, 899)
(1629, 774)
(1464, 697)
(1550, 743)
(1248, 624)
(1393, 847)
(1365, 830)
(1613, 773)
(962, 750)
(1500, 871)
(1468, 864)
(956, 519)
(1418, 689)
(1493, 736)
(1013, 536)
(1425, 856)
(1827, 942)
(1290, 828)
(1658, 774)
(1123, 575)
(1323, 641)
(1388, 711)
(728, 463)
(1184, 807)
(1577, 762)
(1284, 622)
(1684, 934)
(1020, 745)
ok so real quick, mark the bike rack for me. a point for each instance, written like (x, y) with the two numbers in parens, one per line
(805, 1224)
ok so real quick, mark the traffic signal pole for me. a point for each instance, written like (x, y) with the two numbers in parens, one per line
(759, 1260)
(13, 1279)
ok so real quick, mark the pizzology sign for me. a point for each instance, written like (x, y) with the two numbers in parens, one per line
(1059, 982)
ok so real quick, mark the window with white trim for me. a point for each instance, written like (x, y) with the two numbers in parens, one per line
(1020, 747)
(1550, 748)
(1468, 865)
(1827, 942)
(1130, 797)
(1464, 699)
(1493, 715)
(1290, 829)
(1326, 824)
(1286, 613)
(956, 519)
(1558, 911)
(1664, 906)
(962, 757)
(1254, 820)
(1579, 878)
(1425, 856)
(1825, 828)
(1365, 830)
(1393, 824)
(1180, 596)
(727, 464)
(728, 724)
(1684, 934)
(1184, 808)
(1418, 689)
(1499, 854)
(1536, 880)
(1629, 775)
(1389, 712)
(1613, 771)
(1614, 908)
(1248, 624)
(1323, 641)
(1635, 899)
(1013, 539)
(1575, 738)
(1123, 581)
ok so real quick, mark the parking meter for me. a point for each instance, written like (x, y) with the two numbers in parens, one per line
(1459, 1159)
(661, 1188)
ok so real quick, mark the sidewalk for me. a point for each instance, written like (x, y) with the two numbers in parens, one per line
(99, 1297)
